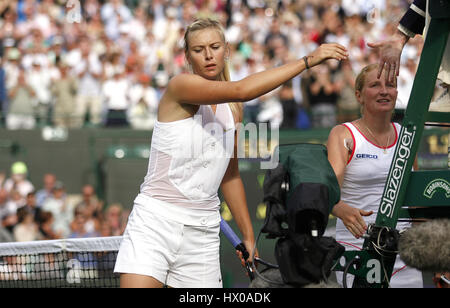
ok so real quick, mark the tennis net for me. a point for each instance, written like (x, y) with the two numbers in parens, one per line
(67, 263)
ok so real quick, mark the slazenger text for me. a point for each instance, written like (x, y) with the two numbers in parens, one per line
(397, 170)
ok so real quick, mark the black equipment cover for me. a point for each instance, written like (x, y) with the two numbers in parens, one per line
(300, 194)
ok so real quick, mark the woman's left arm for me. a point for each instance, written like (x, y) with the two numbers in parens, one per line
(234, 194)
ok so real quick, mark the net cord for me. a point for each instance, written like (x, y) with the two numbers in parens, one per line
(92, 244)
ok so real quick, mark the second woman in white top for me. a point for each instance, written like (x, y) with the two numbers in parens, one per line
(361, 153)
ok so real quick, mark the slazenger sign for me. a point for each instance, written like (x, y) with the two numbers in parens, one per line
(397, 171)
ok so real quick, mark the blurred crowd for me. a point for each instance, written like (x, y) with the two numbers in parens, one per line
(30, 212)
(105, 63)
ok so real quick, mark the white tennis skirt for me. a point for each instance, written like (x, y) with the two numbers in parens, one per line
(179, 247)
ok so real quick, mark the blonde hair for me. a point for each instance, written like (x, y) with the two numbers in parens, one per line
(361, 78)
(204, 23)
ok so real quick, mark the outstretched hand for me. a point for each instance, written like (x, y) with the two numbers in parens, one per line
(352, 218)
(390, 52)
(327, 51)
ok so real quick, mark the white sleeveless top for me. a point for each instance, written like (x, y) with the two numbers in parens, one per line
(189, 157)
(364, 180)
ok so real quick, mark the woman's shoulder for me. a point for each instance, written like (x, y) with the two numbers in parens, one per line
(342, 129)
(185, 86)
(182, 78)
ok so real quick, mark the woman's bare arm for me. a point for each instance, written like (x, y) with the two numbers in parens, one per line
(193, 89)
(338, 155)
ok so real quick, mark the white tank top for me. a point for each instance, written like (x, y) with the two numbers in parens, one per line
(364, 179)
(189, 157)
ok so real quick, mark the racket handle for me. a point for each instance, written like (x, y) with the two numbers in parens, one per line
(237, 244)
(229, 233)
(244, 251)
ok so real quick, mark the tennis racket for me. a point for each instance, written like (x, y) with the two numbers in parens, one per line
(238, 245)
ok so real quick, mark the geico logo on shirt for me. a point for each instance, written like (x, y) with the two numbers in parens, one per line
(373, 156)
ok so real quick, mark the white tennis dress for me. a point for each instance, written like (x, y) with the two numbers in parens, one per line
(362, 188)
(173, 230)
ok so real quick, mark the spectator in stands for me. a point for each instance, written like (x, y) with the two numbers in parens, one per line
(149, 50)
(15, 200)
(39, 78)
(113, 13)
(113, 65)
(239, 69)
(290, 106)
(115, 91)
(90, 199)
(114, 219)
(348, 108)
(406, 77)
(11, 64)
(105, 229)
(166, 31)
(143, 103)
(49, 180)
(91, 8)
(22, 102)
(64, 90)
(35, 48)
(275, 38)
(26, 229)
(252, 107)
(18, 180)
(92, 219)
(46, 226)
(270, 109)
(91, 207)
(79, 225)
(161, 79)
(31, 206)
(137, 24)
(88, 68)
(60, 209)
(57, 51)
(8, 26)
(322, 97)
